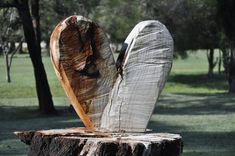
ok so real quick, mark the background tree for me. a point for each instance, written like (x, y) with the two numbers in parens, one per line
(226, 11)
(10, 34)
(31, 27)
(192, 23)
(117, 18)
(52, 12)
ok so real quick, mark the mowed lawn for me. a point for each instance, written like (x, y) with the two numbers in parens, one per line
(198, 108)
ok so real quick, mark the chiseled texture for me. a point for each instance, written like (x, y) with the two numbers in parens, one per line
(145, 68)
(81, 49)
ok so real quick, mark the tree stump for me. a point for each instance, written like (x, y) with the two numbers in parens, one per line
(79, 142)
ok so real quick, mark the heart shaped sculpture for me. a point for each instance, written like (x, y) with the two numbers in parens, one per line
(105, 97)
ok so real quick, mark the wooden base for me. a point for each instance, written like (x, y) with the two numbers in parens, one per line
(78, 141)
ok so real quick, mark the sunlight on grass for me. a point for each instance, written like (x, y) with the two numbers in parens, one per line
(23, 84)
(184, 88)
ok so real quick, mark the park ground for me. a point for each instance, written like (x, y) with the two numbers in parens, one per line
(198, 108)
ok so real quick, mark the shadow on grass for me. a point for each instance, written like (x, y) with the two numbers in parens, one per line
(200, 80)
(196, 143)
(204, 136)
(29, 112)
(196, 104)
(28, 118)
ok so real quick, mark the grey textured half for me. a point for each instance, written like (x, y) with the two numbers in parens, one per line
(145, 68)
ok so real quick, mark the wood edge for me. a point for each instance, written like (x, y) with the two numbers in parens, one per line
(25, 136)
(76, 104)
(83, 132)
(66, 85)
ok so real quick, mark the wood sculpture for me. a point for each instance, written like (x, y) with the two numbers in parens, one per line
(107, 98)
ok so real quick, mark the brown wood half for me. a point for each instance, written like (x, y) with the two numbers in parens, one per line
(65, 83)
(84, 64)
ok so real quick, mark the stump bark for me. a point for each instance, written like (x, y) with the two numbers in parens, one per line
(79, 142)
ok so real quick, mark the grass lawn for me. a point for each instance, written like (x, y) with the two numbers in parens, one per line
(191, 104)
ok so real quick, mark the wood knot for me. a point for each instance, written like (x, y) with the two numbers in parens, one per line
(72, 20)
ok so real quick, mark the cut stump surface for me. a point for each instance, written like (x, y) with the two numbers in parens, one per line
(79, 142)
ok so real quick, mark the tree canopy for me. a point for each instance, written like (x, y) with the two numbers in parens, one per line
(193, 23)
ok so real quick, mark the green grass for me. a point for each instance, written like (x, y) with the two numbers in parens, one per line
(189, 76)
(192, 105)
(23, 83)
(205, 121)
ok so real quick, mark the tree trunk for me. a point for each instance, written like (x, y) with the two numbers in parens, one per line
(12, 47)
(6, 58)
(36, 21)
(225, 58)
(219, 62)
(231, 76)
(77, 141)
(42, 86)
(21, 48)
(211, 64)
